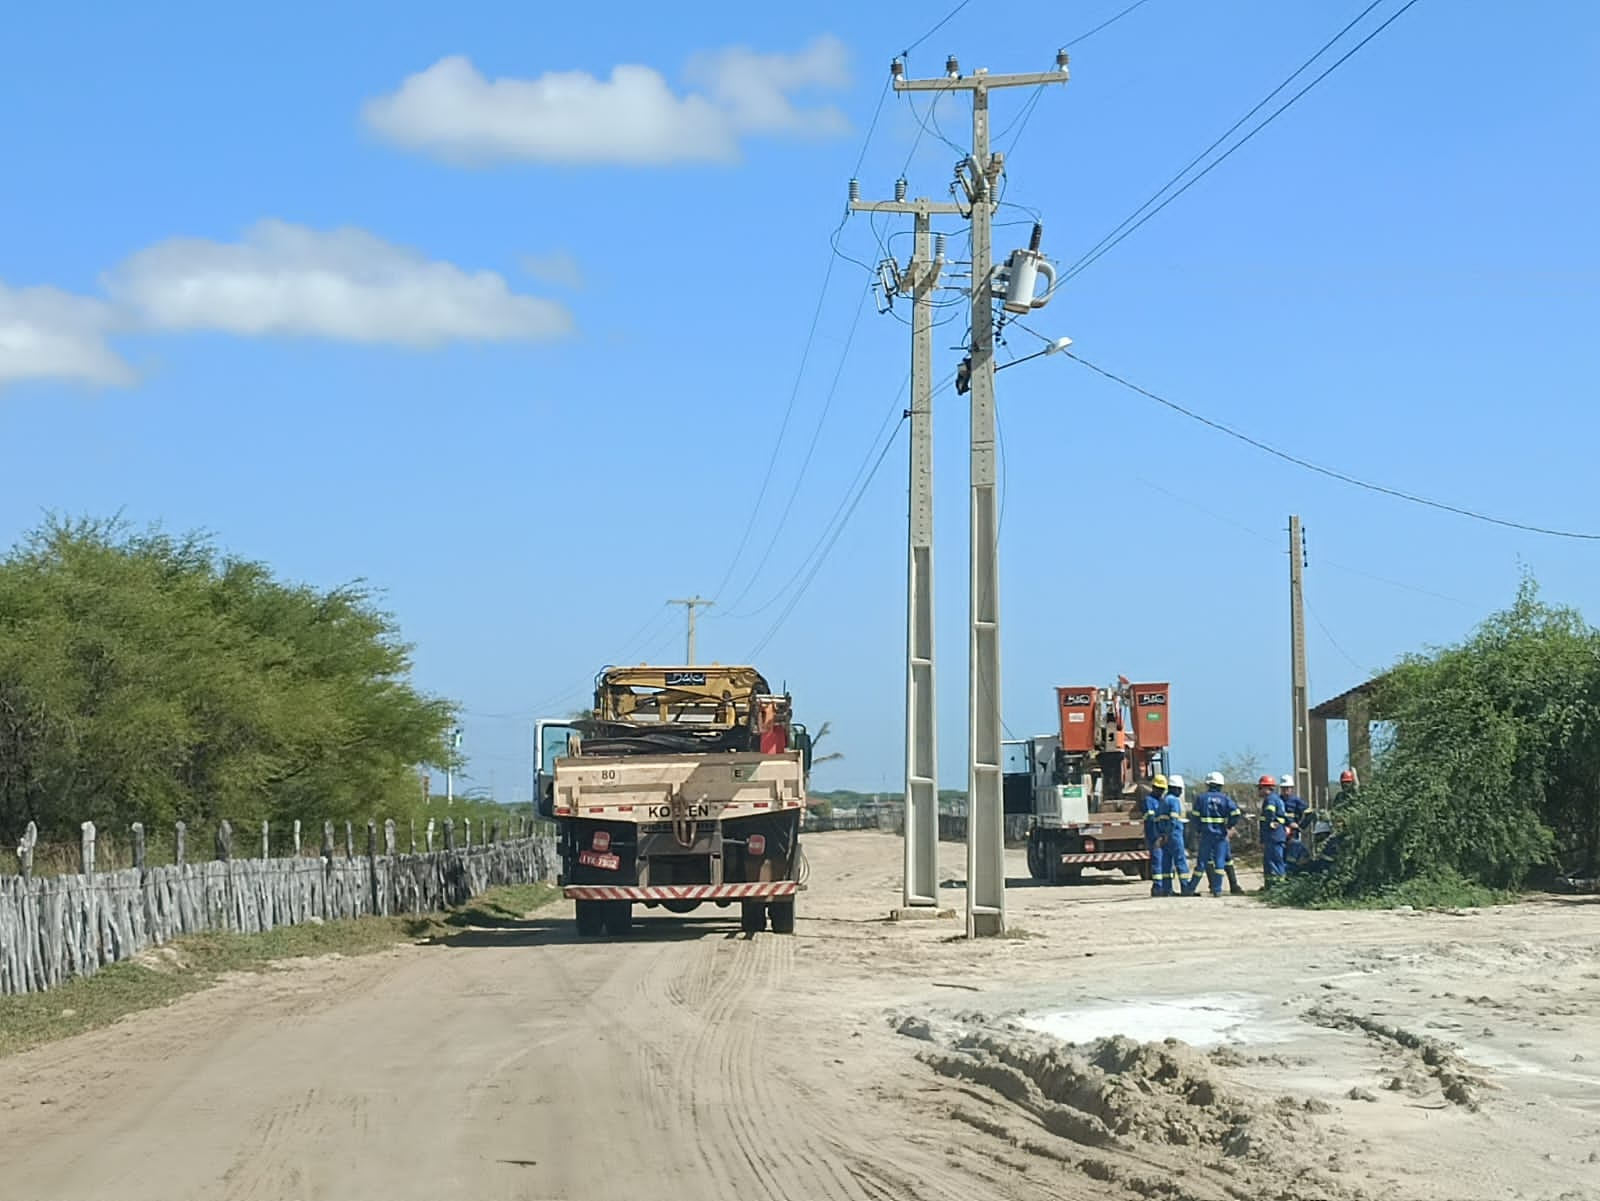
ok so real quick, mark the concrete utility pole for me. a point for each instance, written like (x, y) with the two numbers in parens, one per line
(1300, 694)
(921, 276)
(690, 605)
(979, 178)
(449, 770)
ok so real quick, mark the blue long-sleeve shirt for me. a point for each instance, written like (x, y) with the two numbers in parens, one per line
(1274, 819)
(1216, 812)
(1154, 810)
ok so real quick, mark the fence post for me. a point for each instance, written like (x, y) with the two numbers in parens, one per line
(390, 841)
(466, 832)
(266, 841)
(429, 835)
(372, 865)
(180, 839)
(494, 831)
(88, 848)
(349, 840)
(225, 840)
(327, 840)
(138, 845)
(30, 838)
(297, 838)
(449, 833)
(413, 824)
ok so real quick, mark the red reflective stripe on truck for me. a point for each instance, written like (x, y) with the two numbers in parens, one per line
(681, 892)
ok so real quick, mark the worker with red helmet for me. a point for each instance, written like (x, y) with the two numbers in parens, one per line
(1347, 789)
(1274, 821)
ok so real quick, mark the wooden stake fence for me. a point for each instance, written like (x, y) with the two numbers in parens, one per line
(55, 928)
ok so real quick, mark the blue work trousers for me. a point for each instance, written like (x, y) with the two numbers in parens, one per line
(1272, 859)
(1177, 859)
(1214, 849)
(1160, 881)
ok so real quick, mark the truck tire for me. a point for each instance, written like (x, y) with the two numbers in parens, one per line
(1038, 858)
(753, 917)
(680, 907)
(618, 917)
(782, 915)
(591, 917)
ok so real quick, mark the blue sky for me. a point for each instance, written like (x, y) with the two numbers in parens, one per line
(348, 286)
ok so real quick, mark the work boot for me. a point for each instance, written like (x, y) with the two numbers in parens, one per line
(1233, 881)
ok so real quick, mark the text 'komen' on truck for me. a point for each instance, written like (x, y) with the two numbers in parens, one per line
(683, 785)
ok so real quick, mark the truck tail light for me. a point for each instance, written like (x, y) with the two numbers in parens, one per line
(602, 840)
(756, 844)
(1088, 844)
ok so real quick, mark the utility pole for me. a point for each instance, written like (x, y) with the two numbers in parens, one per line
(1299, 689)
(691, 604)
(920, 887)
(979, 178)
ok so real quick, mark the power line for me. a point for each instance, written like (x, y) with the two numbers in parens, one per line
(1110, 241)
(1331, 473)
(811, 447)
(872, 447)
(1020, 121)
(938, 25)
(839, 529)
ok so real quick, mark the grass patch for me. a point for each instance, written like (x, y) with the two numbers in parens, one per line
(161, 975)
(1441, 890)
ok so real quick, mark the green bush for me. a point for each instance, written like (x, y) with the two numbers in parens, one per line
(1490, 771)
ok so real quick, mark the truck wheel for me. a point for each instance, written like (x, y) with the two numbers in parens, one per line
(618, 918)
(591, 918)
(753, 917)
(1038, 860)
(680, 906)
(1070, 875)
(782, 914)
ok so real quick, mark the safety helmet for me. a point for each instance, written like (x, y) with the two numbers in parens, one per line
(1347, 776)
(1175, 782)
(1286, 782)
(1215, 779)
(1160, 781)
(1266, 782)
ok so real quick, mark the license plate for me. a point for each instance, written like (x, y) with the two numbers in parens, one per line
(608, 863)
(1089, 829)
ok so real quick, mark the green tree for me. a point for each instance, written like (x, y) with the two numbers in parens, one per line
(149, 677)
(1490, 769)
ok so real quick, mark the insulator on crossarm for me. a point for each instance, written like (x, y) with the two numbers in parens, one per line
(855, 190)
(900, 188)
(938, 246)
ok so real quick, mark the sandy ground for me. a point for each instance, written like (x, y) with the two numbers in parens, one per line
(1343, 1056)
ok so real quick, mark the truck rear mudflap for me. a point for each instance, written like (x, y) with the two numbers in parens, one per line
(742, 891)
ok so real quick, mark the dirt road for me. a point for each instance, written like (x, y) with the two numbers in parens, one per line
(1369, 1055)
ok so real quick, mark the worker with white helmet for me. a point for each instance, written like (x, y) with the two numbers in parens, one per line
(1177, 832)
(1217, 814)
(1155, 821)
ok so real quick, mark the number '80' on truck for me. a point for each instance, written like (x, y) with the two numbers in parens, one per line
(682, 786)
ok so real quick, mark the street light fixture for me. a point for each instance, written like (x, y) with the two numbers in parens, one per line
(1055, 347)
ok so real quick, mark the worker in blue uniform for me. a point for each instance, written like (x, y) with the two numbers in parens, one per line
(1297, 809)
(1154, 815)
(1177, 836)
(1217, 814)
(1274, 832)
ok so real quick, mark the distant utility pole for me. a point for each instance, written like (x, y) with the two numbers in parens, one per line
(978, 177)
(449, 767)
(921, 277)
(1300, 694)
(691, 604)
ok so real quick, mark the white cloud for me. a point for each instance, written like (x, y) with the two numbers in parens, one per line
(559, 269)
(633, 117)
(46, 333)
(345, 283)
